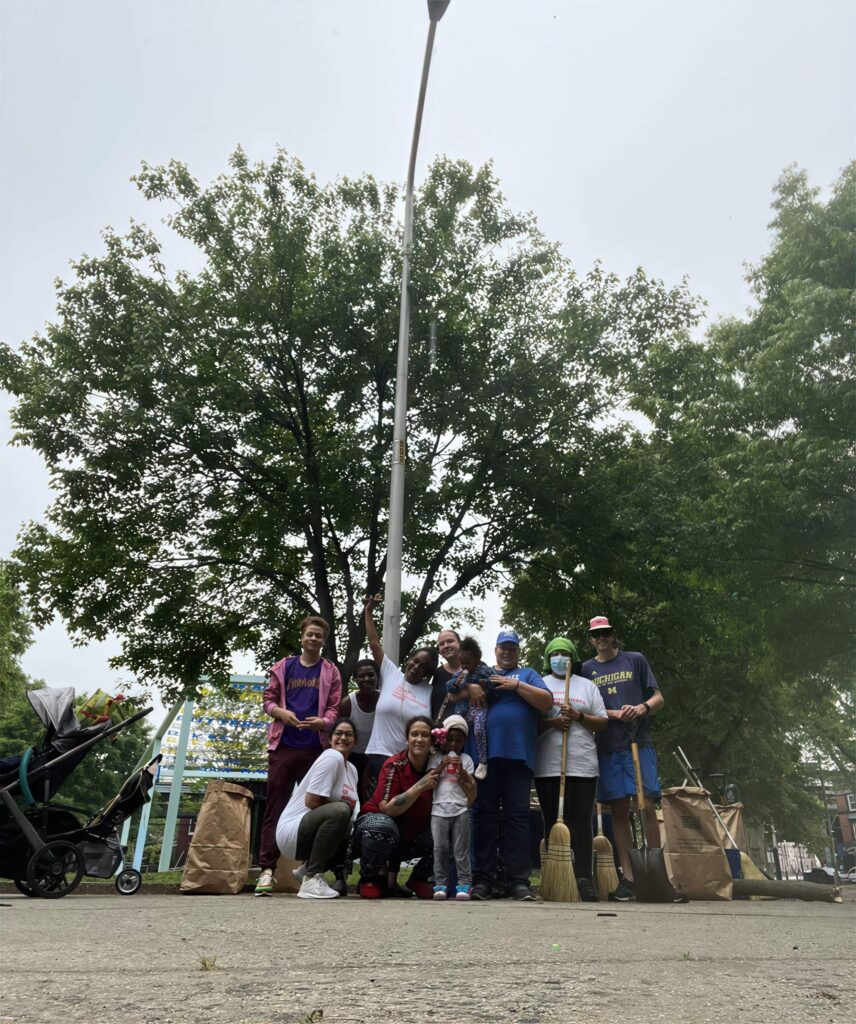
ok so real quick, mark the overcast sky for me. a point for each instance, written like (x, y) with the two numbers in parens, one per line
(640, 134)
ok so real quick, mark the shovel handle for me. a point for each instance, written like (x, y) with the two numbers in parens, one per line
(640, 792)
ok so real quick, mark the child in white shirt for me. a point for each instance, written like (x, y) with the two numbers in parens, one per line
(450, 819)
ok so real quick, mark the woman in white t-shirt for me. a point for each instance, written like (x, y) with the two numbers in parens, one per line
(317, 820)
(403, 695)
(582, 717)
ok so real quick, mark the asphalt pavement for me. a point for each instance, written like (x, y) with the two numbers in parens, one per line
(238, 960)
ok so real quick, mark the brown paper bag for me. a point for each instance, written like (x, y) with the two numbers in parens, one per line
(218, 860)
(283, 879)
(699, 867)
(732, 815)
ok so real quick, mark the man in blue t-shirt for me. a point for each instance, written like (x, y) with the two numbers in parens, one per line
(519, 698)
(631, 695)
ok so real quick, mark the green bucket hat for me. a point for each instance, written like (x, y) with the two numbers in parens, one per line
(559, 643)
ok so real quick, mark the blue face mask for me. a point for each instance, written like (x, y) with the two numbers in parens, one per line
(559, 663)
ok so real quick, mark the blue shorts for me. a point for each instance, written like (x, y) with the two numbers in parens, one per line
(618, 779)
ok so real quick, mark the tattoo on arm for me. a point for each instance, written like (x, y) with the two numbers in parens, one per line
(400, 800)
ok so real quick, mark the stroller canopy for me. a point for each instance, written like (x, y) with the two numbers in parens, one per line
(55, 707)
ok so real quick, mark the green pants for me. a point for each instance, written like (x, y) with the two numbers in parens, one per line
(322, 837)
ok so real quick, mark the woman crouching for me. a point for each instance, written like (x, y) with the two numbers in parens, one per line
(395, 824)
(316, 823)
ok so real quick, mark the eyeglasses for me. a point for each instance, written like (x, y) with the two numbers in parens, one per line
(595, 633)
(343, 735)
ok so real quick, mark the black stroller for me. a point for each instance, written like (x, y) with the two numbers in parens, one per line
(45, 847)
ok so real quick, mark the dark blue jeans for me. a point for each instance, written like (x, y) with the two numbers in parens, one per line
(507, 785)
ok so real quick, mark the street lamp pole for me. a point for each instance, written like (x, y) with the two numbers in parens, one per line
(395, 535)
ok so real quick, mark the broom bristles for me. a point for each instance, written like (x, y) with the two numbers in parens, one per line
(558, 881)
(607, 876)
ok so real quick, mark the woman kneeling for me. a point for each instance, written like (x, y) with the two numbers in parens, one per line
(316, 823)
(395, 824)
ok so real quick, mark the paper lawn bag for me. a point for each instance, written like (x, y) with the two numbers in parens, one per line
(283, 879)
(218, 860)
(732, 815)
(698, 863)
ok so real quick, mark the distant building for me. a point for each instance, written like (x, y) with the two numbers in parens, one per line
(841, 808)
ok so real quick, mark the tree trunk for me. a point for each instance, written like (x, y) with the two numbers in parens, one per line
(786, 890)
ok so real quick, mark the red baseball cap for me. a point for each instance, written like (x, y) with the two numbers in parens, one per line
(599, 622)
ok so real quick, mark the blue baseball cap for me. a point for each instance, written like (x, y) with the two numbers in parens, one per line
(507, 636)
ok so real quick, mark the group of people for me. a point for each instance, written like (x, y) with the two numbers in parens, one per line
(434, 762)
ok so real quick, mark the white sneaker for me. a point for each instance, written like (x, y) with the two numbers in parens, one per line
(316, 888)
(299, 872)
(264, 886)
(481, 771)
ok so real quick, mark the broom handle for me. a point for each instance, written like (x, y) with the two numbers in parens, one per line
(564, 743)
(599, 819)
(640, 793)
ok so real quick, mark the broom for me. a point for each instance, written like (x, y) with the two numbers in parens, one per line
(558, 881)
(606, 875)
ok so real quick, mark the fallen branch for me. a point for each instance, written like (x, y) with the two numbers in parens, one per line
(787, 890)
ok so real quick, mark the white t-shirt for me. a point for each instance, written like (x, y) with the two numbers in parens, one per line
(364, 721)
(399, 701)
(332, 776)
(450, 800)
(581, 758)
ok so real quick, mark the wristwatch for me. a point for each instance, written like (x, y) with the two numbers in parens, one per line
(647, 708)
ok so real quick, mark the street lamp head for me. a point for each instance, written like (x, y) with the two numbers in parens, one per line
(437, 8)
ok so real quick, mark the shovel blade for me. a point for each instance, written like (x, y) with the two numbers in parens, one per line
(650, 878)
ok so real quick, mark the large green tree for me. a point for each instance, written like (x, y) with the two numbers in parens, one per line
(725, 545)
(14, 633)
(219, 440)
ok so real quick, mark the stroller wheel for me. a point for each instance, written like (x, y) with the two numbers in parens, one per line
(55, 870)
(22, 887)
(128, 881)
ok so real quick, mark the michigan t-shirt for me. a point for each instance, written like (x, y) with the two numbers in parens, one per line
(625, 679)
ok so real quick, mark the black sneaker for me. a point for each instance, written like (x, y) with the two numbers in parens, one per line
(588, 893)
(624, 893)
(522, 893)
(480, 892)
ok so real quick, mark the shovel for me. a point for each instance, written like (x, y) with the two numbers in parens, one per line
(650, 878)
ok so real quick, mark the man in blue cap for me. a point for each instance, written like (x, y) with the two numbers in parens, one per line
(518, 700)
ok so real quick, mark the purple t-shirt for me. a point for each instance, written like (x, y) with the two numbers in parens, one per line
(301, 697)
(626, 679)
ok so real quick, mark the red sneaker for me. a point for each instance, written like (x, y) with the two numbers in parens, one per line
(423, 890)
(370, 890)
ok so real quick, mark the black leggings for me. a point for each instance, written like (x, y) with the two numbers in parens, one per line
(379, 846)
(579, 804)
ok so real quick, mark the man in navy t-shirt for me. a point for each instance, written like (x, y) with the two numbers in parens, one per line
(519, 698)
(631, 695)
